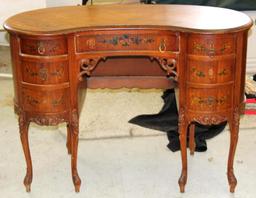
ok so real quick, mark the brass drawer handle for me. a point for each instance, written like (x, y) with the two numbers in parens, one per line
(41, 49)
(162, 46)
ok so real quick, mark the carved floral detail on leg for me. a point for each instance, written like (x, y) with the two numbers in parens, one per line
(169, 65)
(88, 65)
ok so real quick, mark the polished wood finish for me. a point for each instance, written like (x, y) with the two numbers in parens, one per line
(202, 49)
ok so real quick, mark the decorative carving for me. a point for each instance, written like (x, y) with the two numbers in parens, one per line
(236, 116)
(209, 48)
(74, 121)
(22, 122)
(127, 40)
(209, 119)
(91, 43)
(181, 117)
(169, 65)
(47, 119)
(210, 100)
(88, 65)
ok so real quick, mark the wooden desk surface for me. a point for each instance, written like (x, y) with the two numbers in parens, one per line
(77, 18)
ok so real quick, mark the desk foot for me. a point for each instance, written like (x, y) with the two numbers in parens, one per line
(27, 182)
(182, 182)
(232, 181)
(77, 182)
(28, 189)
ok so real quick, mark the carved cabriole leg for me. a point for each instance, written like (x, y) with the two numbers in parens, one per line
(24, 125)
(183, 125)
(234, 129)
(68, 144)
(192, 139)
(74, 144)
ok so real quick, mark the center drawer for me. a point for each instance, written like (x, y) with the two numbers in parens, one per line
(125, 40)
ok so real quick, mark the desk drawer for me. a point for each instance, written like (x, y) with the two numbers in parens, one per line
(45, 101)
(211, 71)
(43, 72)
(210, 99)
(127, 40)
(43, 47)
(211, 45)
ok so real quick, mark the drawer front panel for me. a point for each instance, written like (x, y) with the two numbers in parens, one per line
(210, 99)
(44, 72)
(211, 71)
(128, 40)
(211, 45)
(45, 101)
(44, 47)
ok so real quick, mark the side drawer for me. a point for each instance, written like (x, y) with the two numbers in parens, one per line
(43, 47)
(38, 71)
(210, 99)
(118, 40)
(45, 101)
(211, 45)
(210, 71)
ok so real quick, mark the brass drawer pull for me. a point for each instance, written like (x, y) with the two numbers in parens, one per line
(41, 49)
(162, 46)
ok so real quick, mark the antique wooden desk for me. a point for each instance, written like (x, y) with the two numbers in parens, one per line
(57, 51)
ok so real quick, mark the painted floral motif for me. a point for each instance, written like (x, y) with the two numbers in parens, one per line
(198, 73)
(209, 48)
(223, 72)
(126, 40)
(210, 100)
(43, 73)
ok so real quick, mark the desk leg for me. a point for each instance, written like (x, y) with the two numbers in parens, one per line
(234, 129)
(183, 125)
(24, 125)
(68, 144)
(192, 145)
(74, 144)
